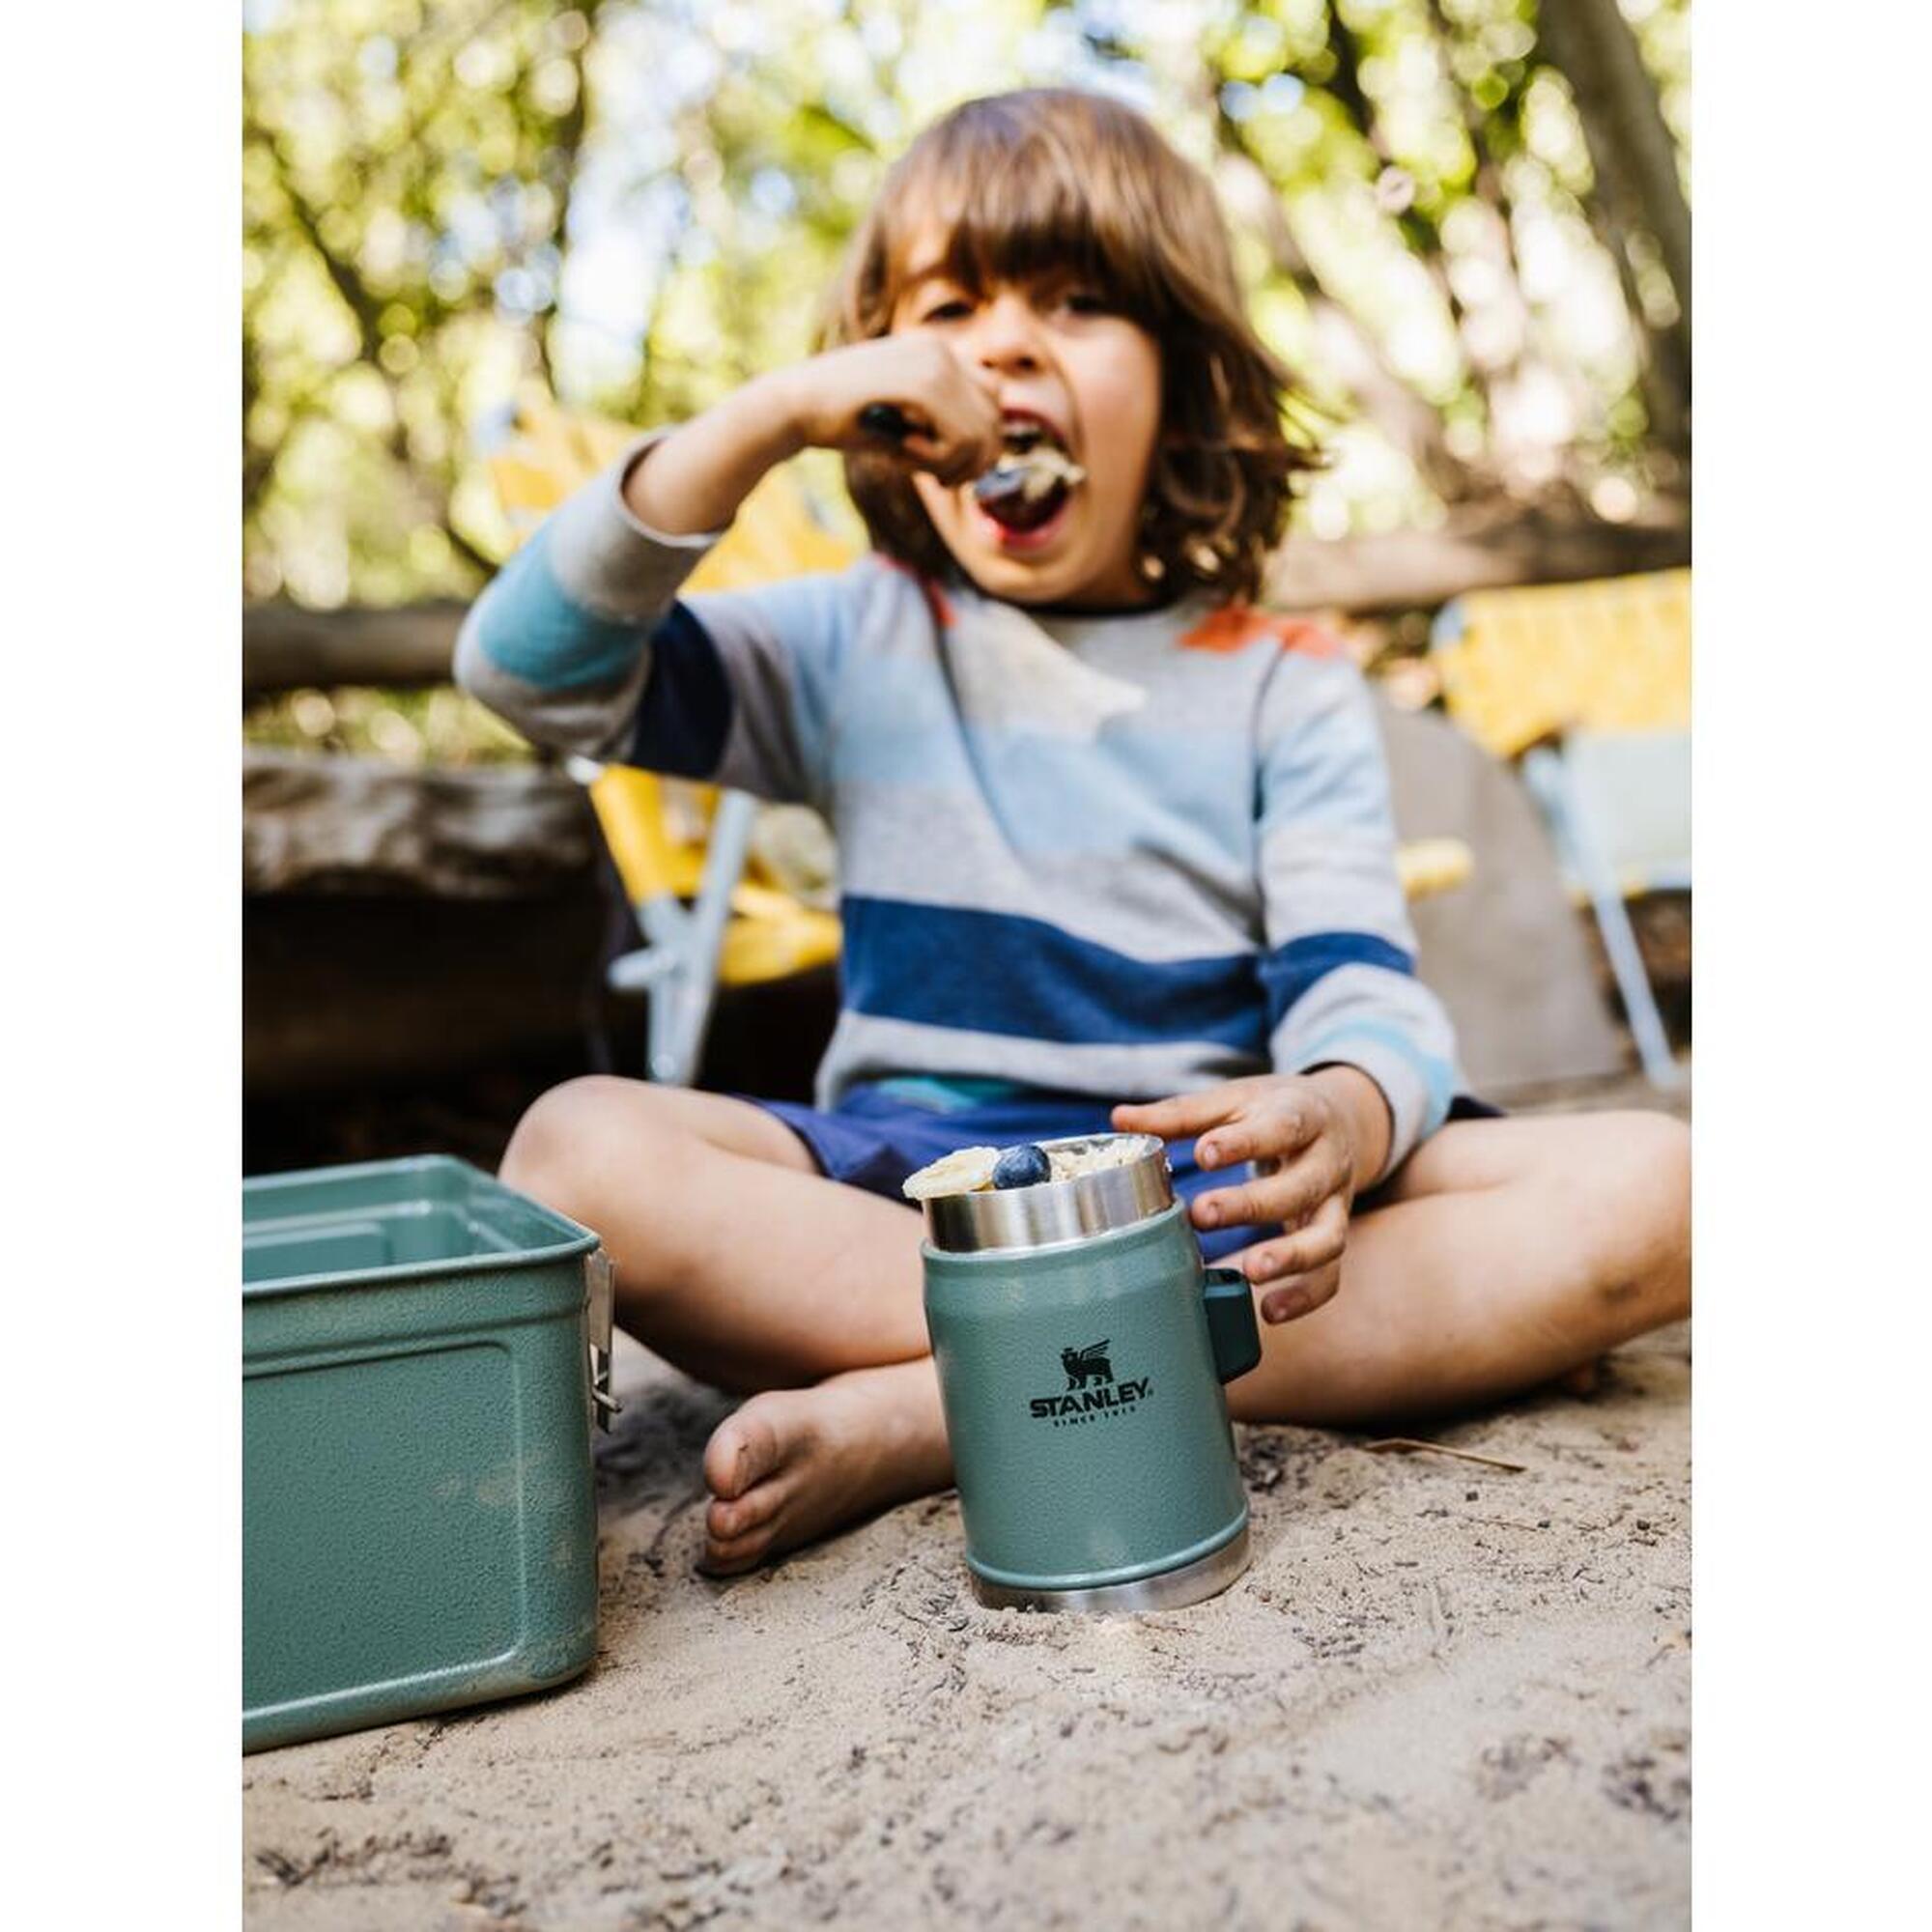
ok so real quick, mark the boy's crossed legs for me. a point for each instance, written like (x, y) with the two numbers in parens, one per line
(1504, 1254)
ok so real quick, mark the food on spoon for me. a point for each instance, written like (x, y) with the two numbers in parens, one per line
(1030, 477)
(968, 1171)
(1027, 487)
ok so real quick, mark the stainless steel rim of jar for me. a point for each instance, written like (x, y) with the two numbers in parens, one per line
(1054, 1213)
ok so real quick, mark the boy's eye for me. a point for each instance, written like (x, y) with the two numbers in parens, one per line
(954, 309)
(1088, 302)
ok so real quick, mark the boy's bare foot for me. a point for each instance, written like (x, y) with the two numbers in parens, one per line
(793, 1464)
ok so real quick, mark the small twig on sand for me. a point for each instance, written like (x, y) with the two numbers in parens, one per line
(1405, 1445)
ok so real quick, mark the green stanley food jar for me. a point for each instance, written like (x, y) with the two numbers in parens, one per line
(1081, 1349)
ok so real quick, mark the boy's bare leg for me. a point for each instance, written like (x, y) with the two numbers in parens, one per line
(736, 1260)
(739, 1262)
(1509, 1252)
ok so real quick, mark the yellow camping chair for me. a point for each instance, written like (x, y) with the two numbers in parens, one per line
(707, 912)
(1587, 686)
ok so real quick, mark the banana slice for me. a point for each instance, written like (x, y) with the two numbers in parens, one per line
(968, 1171)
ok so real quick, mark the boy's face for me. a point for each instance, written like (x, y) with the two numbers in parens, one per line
(1054, 354)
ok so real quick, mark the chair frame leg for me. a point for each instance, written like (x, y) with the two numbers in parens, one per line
(677, 966)
(1549, 783)
(690, 996)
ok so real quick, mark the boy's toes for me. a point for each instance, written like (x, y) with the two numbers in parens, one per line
(739, 1515)
(728, 1555)
(742, 1449)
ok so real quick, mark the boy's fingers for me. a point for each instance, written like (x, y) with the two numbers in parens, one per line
(1286, 1125)
(928, 444)
(1289, 1198)
(978, 411)
(1305, 1251)
(966, 431)
(1277, 1126)
(1173, 1119)
(941, 457)
(1227, 1146)
(1288, 1191)
(1302, 1295)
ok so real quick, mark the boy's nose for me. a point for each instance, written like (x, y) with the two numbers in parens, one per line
(1007, 337)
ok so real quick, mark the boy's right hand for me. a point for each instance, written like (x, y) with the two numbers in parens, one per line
(956, 431)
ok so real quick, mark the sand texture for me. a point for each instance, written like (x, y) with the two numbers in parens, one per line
(1442, 1697)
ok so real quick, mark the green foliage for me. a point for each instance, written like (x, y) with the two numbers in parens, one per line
(440, 725)
(640, 205)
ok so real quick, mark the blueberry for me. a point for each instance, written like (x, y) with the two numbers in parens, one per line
(1022, 1166)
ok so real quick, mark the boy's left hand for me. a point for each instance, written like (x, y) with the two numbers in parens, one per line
(1315, 1139)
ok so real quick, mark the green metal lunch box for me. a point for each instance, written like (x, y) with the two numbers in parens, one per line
(423, 1349)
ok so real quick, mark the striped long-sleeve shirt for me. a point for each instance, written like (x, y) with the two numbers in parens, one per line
(1118, 855)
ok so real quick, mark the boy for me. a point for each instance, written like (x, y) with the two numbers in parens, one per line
(1116, 851)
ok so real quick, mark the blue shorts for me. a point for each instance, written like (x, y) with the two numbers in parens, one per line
(880, 1133)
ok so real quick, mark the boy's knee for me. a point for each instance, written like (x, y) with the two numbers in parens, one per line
(1632, 1165)
(1657, 1158)
(1670, 1148)
(1648, 1214)
(553, 1155)
(541, 1134)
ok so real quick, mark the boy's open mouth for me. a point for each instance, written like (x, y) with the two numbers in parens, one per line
(1029, 486)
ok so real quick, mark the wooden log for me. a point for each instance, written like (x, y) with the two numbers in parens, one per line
(404, 927)
(341, 991)
(312, 823)
(287, 648)
(403, 924)
(1479, 547)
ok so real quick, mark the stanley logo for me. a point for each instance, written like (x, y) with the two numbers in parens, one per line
(1082, 1400)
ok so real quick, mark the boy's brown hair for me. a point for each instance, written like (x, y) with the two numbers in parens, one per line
(1053, 181)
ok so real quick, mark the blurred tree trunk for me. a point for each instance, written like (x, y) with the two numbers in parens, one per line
(567, 142)
(1488, 185)
(365, 310)
(1477, 547)
(1639, 188)
(315, 197)
(1418, 227)
(1409, 422)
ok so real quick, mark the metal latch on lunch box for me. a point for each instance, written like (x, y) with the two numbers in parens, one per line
(600, 1280)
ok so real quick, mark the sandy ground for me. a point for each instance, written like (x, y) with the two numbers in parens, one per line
(1442, 1697)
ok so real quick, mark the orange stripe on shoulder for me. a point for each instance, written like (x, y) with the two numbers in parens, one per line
(1307, 638)
(1229, 627)
(1234, 627)
(936, 600)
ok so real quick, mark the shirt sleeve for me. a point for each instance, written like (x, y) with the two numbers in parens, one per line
(1340, 961)
(583, 642)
